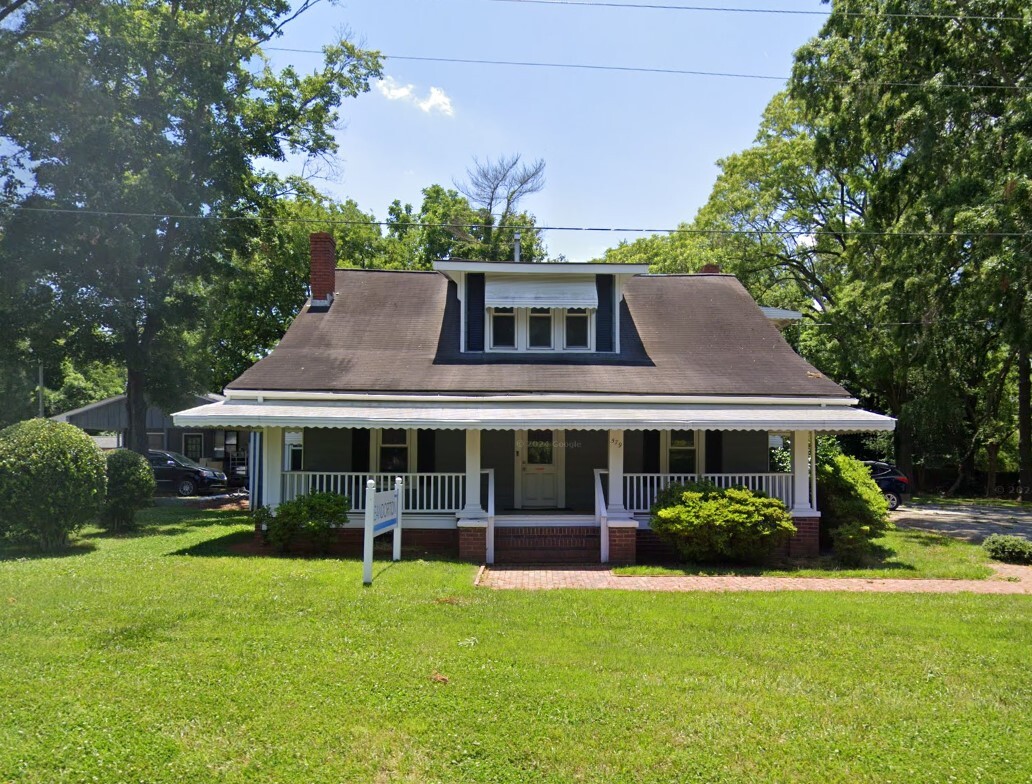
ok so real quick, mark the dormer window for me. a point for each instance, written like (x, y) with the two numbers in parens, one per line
(539, 329)
(503, 329)
(577, 331)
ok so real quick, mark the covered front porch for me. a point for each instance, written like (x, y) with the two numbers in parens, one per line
(544, 494)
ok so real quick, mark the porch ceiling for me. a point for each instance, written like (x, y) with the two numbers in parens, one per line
(518, 416)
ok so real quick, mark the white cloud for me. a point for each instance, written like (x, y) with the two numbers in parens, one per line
(436, 101)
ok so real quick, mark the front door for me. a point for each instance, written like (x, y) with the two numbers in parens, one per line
(539, 456)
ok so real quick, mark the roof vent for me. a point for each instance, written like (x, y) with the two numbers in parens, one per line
(710, 269)
(324, 262)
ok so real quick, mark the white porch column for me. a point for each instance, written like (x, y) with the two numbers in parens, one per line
(473, 509)
(272, 466)
(615, 509)
(802, 466)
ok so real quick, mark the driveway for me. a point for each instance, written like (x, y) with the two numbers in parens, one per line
(972, 523)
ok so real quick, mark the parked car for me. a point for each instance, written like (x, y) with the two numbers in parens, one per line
(179, 474)
(893, 482)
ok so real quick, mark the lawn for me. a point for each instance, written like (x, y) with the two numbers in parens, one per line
(941, 500)
(901, 553)
(162, 657)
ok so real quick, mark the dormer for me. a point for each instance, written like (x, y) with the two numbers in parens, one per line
(539, 308)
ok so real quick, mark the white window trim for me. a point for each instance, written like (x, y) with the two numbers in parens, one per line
(523, 333)
(664, 451)
(376, 441)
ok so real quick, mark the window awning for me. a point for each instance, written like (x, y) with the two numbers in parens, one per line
(504, 290)
(518, 416)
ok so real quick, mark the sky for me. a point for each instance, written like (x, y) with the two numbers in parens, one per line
(634, 150)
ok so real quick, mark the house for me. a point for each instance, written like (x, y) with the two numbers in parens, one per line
(107, 422)
(533, 410)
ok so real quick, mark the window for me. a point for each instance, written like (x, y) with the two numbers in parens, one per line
(294, 450)
(394, 451)
(503, 328)
(193, 445)
(682, 452)
(577, 328)
(539, 331)
(539, 447)
(156, 440)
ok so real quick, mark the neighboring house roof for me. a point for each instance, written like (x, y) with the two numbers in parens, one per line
(110, 414)
(781, 316)
(398, 332)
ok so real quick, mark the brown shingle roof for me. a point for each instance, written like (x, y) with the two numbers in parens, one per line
(399, 332)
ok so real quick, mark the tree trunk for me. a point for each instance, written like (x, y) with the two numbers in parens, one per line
(992, 451)
(1024, 424)
(904, 448)
(136, 408)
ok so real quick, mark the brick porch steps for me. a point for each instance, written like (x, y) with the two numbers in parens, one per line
(547, 544)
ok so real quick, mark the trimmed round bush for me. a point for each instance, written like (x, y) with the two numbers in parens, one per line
(52, 481)
(130, 487)
(853, 509)
(315, 515)
(1011, 549)
(708, 524)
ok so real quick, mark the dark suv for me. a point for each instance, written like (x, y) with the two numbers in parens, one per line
(181, 475)
(893, 482)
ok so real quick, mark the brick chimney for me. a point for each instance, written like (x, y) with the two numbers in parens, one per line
(324, 262)
(710, 269)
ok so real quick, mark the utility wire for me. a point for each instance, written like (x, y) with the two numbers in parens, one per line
(455, 225)
(786, 11)
(601, 67)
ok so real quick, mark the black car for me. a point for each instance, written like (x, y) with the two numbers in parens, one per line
(179, 474)
(893, 482)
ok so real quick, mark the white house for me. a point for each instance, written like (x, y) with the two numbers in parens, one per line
(533, 410)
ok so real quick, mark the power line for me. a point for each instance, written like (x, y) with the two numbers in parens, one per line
(603, 68)
(737, 10)
(455, 225)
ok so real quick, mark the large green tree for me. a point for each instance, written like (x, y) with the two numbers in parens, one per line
(135, 133)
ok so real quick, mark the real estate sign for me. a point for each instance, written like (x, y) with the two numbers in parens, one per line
(382, 514)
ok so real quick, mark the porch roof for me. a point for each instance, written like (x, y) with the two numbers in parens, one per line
(523, 415)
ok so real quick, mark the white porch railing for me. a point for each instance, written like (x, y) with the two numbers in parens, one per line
(443, 493)
(640, 490)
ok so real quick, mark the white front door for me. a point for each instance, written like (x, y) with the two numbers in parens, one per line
(539, 461)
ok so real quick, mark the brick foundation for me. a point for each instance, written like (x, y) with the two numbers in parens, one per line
(806, 543)
(473, 545)
(548, 544)
(623, 545)
(414, 541)
(653, 550)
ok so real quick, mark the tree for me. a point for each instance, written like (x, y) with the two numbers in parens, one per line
(135, 132)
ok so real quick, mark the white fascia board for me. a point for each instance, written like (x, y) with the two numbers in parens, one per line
(594, 399)
(541, 267)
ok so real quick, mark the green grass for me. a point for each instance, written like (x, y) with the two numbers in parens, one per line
(901, 553)
(940, 500)
(163, 658)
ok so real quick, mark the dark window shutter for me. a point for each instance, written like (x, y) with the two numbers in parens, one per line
(650, 449)
(474, 311)
(605, 318)
(360, 449)
(714, 451)
(425, 442)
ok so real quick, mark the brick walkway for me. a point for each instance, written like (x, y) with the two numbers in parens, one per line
(1009, 579)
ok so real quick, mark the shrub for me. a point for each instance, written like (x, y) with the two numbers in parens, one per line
(52, 481)
(848, 497)
(315, 515)
(1012, 549)
(705, 523)
(130, 486)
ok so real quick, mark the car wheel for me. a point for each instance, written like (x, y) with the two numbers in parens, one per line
(893, 501)
(186, 487)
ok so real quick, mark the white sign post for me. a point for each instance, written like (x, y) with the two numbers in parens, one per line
(382, 514)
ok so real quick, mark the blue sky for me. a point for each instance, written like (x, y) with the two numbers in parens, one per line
(622, 149)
